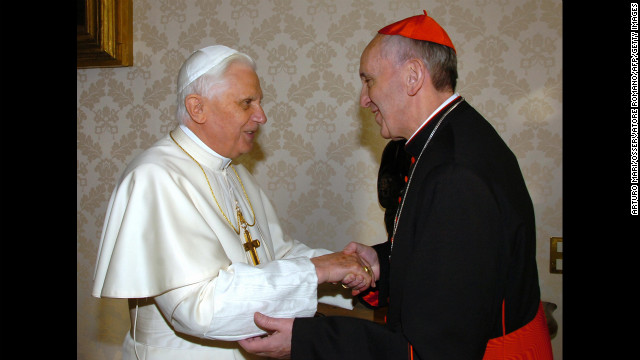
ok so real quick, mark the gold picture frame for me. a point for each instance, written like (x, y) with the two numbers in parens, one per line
(105, 33)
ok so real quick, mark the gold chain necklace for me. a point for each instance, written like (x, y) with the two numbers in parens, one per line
(413, 169)
(214, 196)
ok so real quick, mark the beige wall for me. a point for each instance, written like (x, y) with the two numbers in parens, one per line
(318, 155)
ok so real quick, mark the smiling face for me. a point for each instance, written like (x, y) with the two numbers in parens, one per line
(381, 90)
(234, 112)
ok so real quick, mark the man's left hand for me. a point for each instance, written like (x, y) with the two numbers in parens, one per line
(277, 344)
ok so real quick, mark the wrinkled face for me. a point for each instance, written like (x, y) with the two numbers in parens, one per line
(380, 90)
(234, 112)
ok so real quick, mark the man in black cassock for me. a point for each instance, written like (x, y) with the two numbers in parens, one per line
(459, 271)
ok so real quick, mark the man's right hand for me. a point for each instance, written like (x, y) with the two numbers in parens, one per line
(349, 269)
(367, 254)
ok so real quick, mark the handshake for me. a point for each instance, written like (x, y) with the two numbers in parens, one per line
(355, 267)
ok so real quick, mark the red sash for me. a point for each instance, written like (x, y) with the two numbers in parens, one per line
(530, 342)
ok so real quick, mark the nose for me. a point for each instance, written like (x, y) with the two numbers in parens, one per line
(364, 96)
(259, 116)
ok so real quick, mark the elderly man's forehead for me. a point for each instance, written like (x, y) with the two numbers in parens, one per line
(371, 56)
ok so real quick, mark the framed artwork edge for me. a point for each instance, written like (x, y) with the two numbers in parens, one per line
(105, 34)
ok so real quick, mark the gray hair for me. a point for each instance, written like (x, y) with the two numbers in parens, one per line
(440, 60)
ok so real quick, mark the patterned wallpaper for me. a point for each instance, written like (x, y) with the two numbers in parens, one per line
(318, 155)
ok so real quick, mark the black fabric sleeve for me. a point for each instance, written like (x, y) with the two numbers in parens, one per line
(339, 337)
(382, 284)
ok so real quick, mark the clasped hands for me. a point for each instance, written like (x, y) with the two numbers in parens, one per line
(356, 267)
(350, 268)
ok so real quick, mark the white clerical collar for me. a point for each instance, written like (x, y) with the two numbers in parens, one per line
(445, 103)
(225, 161)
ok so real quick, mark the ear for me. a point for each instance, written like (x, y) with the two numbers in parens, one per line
(416, 73)
(194, 105)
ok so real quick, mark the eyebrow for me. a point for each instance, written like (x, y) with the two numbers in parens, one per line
(252, 98)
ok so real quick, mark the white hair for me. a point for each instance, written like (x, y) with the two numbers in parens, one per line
(202, 85)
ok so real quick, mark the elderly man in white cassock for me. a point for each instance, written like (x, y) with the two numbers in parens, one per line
(194, 243)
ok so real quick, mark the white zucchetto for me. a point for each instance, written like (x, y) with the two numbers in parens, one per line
(200, 62)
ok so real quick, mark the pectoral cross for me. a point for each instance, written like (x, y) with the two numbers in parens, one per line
(250, 244)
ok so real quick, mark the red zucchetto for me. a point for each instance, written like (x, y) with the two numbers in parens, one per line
(419, 27)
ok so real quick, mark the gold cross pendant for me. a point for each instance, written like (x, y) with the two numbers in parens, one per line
(250, 244)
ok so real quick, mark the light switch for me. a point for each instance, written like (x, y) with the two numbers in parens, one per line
(555, 258)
